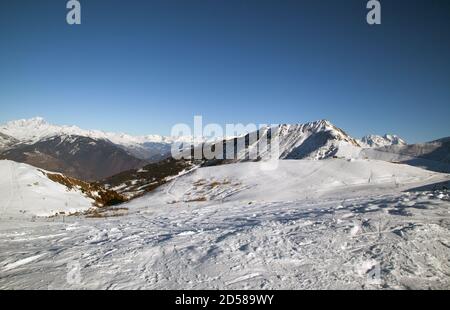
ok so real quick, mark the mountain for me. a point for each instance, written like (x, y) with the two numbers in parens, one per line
(149, 147)
(434, 155)
(84, 154)
(7, 141)
(97, 155)
(380, 141)
(76, 156)
(314, 140)
(30, 191)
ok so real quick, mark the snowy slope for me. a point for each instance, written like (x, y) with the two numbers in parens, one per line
(293, 180)
(368, 226)
(7, 141)
(27, 191)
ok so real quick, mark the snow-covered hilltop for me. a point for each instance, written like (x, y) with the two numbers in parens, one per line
(27, 191)
(293, 180)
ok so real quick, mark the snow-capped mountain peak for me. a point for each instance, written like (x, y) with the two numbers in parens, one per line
(37, 128)
(312, 140)
(28, 130)
(318, 139)
(371, 141)
(33, 130)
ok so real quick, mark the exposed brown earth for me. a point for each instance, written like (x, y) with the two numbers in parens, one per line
(102, 197)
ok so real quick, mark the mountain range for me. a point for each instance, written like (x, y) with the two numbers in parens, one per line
(85, 154)
(94, 155)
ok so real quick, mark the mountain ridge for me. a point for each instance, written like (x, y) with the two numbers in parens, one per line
(25, 130)
(370, 141)
(94, 155)
(79, 157)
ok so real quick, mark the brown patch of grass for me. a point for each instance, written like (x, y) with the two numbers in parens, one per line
(217, 183)
(198, 199)
(95, 214)
(102, 197)
(200, 182)
(214, 184)
(105, 213)
(149, 178)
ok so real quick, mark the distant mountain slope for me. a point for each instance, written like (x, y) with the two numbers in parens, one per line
(96, 155)
(150, 147)
(30, 191)
(76, 156)
(7, 141)
(380, 141)
(136, 182)
(434, 155)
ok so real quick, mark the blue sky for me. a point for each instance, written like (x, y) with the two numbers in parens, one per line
(142, 66)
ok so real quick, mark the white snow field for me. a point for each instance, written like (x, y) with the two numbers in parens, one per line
(330, 224)
(27, 191)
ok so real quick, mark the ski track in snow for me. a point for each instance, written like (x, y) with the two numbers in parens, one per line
(11, 191)
(22, 262)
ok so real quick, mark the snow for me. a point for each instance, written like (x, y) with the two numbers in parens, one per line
(331, 224)
(6, 141)
(22, 262)
(297, 179)
(25, 191)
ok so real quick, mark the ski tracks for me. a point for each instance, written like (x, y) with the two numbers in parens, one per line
(11, 189)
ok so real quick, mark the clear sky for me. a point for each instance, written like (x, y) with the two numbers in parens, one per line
(142, 66)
